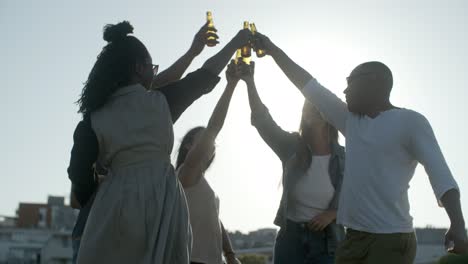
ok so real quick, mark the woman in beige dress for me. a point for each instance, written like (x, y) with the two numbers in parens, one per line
(140, 213)
(196, 153)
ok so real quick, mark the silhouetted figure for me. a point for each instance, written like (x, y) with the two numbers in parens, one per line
(196, 154)
(313, 164)
(171, 74)
(384, 144)
(139, 214)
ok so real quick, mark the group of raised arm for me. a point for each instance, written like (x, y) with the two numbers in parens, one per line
(147, 211)
(384, 143)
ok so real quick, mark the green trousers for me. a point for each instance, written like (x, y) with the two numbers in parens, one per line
(368, 248)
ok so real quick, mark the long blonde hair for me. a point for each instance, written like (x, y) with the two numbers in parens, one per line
(304, 158)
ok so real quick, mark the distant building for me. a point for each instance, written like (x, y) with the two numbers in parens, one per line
(32, 215)
(261, 238)
(430, 244)
(430, 235)
(58, 249)
(53, 215)
(7, 221)
(34, 246)
(41, 233)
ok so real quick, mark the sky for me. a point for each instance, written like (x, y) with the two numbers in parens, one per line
(48, 48)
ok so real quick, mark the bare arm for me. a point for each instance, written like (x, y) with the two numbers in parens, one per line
(202, 151)
(227, 246)
(451, 202)
(281, 142)
(217, 63)
(334, 110)
(295, 73)
(424, 147)
(457, 231)
(176, 70)
(255, 102)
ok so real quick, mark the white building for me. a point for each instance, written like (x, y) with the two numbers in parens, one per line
(34, 246)
(58, 249)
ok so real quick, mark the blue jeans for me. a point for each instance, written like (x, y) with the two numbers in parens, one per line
(296, 244)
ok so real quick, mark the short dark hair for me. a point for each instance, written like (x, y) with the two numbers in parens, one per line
(382, 71)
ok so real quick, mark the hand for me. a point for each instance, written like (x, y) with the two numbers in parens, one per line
(321, 221)
(457, 236)
(246, 71)
(232, 73)
(242, 38)
(201, 39)
(263, 42)
(231, 259)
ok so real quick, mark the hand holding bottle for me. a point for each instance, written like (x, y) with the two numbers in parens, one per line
(263, 42)
(246, 71)
(242, 38)
(202, 38)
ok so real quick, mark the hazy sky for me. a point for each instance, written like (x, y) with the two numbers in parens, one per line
(48, 48)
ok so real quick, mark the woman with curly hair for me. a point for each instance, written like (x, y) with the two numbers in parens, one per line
(139, 214)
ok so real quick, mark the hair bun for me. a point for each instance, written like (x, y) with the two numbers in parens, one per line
(117, 32)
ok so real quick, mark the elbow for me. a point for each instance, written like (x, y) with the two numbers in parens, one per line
(253, 121)
(210, 66)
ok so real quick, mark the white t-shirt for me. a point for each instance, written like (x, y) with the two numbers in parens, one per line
(381, 157)
(312, 192)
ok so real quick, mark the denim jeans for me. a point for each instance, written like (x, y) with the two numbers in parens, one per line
(296, 244)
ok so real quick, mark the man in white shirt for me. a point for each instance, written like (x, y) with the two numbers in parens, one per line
(384, 144)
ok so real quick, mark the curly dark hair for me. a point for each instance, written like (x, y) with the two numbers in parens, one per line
(114, 67)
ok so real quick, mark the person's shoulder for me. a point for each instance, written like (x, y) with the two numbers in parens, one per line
(410, 115)
(413, 121)
(80, 125)
(83, 127)
(407, 112)
(153, 96)
(154, 92)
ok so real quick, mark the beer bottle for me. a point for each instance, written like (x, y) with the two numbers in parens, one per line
(238, 56)
(260, 52)
(246, 53)
(209, 19)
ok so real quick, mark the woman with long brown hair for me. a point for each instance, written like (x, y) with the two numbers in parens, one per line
(313, 164)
